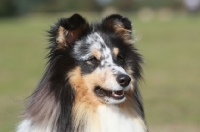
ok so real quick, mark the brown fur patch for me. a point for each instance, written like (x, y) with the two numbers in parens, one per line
(84, 84)
(95, 79)
(83, 92)
(66, 37)
(75, 34)
(115, 51)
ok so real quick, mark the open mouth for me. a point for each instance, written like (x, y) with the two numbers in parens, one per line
(100, 92)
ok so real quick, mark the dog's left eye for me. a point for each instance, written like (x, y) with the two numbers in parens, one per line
(93, 60)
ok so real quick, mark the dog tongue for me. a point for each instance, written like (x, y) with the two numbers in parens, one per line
(118, 94)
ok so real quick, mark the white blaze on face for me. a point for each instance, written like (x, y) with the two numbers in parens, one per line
(107, 69)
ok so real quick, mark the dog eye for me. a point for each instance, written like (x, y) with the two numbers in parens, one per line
(93, 60)
(120, 59)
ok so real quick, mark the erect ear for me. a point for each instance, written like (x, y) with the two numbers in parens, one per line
(68, 30)
(118, 24)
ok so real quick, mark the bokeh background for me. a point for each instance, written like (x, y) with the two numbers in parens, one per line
(167, 33)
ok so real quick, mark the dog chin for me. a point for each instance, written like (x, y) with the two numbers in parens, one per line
(109, 100)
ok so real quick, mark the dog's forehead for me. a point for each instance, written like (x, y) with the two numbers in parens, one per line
(93, 43)
(95, 40)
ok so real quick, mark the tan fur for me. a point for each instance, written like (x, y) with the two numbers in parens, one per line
(130, 72)
(96, 53)
(83, 92)
(85, 101)
(61, 41)
(115, 51)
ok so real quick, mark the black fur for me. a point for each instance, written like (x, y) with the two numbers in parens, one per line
(61, 62)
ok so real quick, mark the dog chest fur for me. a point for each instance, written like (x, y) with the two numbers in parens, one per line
(112, 119)
(108, 119)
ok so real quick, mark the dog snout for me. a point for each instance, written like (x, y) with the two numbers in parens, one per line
(123, 80)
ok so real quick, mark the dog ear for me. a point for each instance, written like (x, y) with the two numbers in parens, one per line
(68, 30)
(118, 24)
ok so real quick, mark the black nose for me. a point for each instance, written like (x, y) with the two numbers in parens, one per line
(123, 80)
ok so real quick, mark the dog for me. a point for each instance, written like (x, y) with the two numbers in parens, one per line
(91, 80)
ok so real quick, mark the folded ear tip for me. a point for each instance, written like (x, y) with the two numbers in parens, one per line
(68, 30)
(115, 16)
(72, 22)
(77, 19)
(76, 15)
(126, 22)
(119, 25)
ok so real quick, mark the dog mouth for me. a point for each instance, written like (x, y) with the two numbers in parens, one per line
(115, 94)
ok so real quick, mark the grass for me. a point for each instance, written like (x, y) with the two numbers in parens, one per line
(171, 85)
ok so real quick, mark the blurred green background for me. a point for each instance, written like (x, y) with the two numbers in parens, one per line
(167, 34)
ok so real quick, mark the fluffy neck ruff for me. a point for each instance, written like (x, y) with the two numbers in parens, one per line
(108, 118)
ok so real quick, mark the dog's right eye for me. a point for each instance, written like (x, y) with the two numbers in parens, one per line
(120, 59)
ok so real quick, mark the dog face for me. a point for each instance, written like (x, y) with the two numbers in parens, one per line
(102, 67)
(106, 65)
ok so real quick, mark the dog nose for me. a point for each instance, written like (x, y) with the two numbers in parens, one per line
(123, 80)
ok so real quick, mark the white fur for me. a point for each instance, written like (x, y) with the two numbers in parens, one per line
(112, 119)
(26, 126)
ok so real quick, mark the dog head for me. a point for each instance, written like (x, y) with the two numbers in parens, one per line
(98, 59)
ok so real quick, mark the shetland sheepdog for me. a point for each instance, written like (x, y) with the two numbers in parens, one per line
(90, 83)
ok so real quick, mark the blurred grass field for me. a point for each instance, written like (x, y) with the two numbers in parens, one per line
(171, 51)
